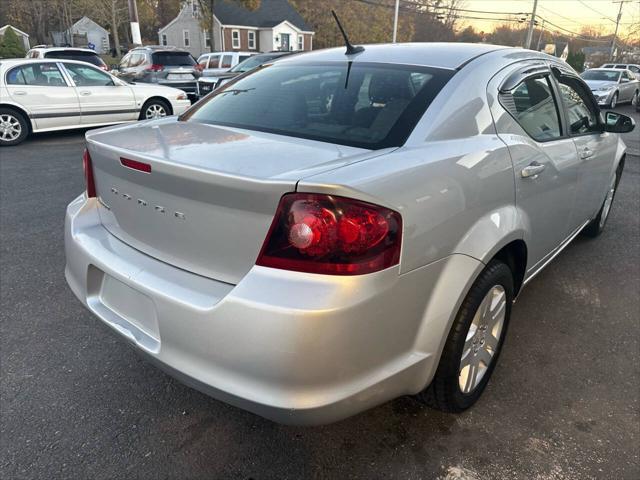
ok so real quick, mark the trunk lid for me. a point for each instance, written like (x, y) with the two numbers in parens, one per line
(212, 192)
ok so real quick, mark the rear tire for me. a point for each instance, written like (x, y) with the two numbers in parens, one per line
(154, 109)
(13, 127)
(596, 226)
(476, 338)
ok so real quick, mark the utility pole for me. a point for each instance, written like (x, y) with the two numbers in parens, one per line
(532, 20)
(395, 21)
(540, 37)
(135, 26)
(613, 41)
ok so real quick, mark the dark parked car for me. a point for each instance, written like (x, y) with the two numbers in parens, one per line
(208, 84)
(167, 66)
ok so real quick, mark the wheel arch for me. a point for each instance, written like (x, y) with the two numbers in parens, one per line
(20, 110)
(164, 100)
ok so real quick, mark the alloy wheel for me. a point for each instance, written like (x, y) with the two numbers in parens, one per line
(155, 110)
(614, 100)
(483, 339)
(10, 128)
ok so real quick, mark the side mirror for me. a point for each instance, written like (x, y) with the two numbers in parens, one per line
(618, 123)
(624, 80)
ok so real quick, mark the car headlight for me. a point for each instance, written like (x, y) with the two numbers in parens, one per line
(604, 89)
(182, 96)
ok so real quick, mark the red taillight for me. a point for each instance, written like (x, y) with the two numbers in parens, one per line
(88, 174)
(199, 67)
(318, 233)
(155, 67)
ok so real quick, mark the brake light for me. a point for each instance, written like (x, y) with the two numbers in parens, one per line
(88, 174)
(199, 67)
(317, 233)
(155, 67)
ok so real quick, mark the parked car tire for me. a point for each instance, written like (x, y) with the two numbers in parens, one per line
(614, 101)
(476, 338)
(155, 108)
(636, 99)
(596, 226)
(14, 127)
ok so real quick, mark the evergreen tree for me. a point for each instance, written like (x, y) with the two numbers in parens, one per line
(11, 45)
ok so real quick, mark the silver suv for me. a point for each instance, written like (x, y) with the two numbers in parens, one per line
(167, 66)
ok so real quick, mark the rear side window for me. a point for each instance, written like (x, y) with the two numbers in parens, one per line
(177, 59)
(89, 57)
(226, 61)
(367, 105)
(39, 74)
(533, 106)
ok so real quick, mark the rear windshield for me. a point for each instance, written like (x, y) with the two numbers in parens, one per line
(88, 57)
(601, 75)
(365, 105)
(173, 58)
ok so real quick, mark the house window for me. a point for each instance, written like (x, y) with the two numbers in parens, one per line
(163, 40)
(235, 38)
(207, 39)
(300, 42)
(194, 8)
(251, 35)
(185, 37)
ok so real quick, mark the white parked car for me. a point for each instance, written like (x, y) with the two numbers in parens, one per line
(43, 95)
(219, 62)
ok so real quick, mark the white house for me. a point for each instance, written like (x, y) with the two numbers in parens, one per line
(274, 25)
(22, 35)
(97, 36)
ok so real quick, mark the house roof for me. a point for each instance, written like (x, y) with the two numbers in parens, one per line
(17, 30)
(90, 21)
(269, 14)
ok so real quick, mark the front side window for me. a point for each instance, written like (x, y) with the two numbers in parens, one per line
(235, 38)
(370, 106)
(582, 116)
(39, 74)
(533, 106)
(88, 77)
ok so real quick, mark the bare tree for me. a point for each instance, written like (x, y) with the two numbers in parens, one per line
(115, 13)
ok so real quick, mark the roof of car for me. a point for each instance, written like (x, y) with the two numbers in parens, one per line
(608, 69)
(444, 55)
(52, 49)
(10, 62)
(157, 48)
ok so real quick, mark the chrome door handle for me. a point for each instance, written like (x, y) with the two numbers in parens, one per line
(84, 93)
(20, 92)
(532, 170)
(586, 153)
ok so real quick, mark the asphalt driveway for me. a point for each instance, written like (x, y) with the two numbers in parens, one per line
(76, 402)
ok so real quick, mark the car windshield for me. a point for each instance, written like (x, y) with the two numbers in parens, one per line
(89, 57)
(358, 104)
(177, 59)
(252, 62)
(601, 75)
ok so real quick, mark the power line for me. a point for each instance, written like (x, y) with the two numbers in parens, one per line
(598, 12)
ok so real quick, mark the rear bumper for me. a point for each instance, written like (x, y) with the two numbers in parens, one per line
(292, 347)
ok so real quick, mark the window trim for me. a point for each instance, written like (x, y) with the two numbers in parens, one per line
(251, 39)
(233, 40)
(186, 39)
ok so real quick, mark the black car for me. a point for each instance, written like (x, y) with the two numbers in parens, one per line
(208, 84)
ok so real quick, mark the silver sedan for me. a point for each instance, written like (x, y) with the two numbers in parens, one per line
(612, 86)
(333, 231)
